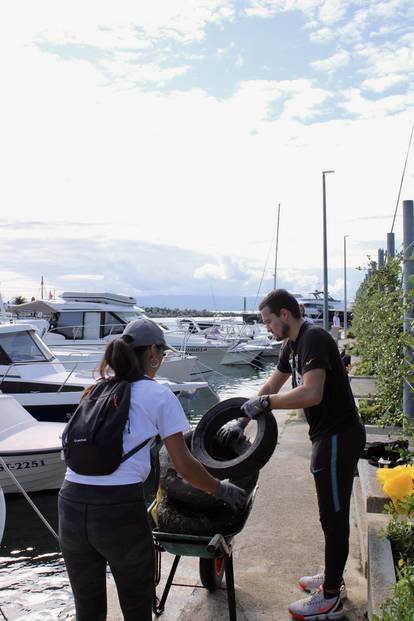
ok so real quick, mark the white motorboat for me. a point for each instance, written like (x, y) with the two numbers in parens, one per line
(86, 360)
(32, 375)
(30, 449)
(253, 335)
(80, 325)
(211, 348)
(38, 381)
(314, 303)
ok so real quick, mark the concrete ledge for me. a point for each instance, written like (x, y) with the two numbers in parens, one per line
(373, 497)
(358, 506)
(363, 386)
(381, 572)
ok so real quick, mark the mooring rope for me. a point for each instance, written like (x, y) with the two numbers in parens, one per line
(29, 500)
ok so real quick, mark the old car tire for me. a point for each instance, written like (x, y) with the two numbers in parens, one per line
(253, 459)
(182, 520)
(211, 572)
(183, 494)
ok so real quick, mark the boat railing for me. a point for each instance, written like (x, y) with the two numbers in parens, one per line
(26, 363)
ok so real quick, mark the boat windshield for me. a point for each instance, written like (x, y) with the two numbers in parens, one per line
(23, 347)
(126, 317)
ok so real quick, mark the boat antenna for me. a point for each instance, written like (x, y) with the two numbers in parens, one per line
(402, 178)
(277, 246)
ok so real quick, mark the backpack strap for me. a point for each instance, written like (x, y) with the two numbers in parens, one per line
(135, 449)
(140, 446)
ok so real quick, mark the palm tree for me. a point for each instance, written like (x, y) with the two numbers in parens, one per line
(19, 299)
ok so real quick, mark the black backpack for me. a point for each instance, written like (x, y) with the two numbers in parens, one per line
(92, 439)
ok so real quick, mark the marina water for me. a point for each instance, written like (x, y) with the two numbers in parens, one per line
(33, 581)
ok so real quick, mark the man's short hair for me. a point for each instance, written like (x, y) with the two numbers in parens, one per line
(278, 299)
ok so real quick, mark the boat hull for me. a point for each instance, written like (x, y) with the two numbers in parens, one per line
(36, 471)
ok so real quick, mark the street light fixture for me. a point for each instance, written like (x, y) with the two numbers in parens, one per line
(325, 255)
(345, 300)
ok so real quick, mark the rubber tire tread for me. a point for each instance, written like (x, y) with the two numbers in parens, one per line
(182, 520)
(253, 459)
(182, 494)
(208, 575)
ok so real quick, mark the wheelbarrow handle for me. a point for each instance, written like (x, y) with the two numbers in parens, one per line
(218, 543)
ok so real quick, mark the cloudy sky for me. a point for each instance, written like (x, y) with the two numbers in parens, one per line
(145, 145)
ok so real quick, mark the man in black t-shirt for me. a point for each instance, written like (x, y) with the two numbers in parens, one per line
(321, 387)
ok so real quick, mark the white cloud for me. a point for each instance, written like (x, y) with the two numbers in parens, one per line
(381, 84)
(89, 277)
(332, 63)
(210, 271)
(332, 11)
(322, 35)
(359, 105)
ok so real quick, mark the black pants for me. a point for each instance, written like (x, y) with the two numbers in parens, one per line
(333, 464)
(100, 525)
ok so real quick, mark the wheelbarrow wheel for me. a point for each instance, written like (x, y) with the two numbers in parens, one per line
(212, 572)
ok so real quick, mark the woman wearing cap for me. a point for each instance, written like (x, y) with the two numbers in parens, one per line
(103, 519)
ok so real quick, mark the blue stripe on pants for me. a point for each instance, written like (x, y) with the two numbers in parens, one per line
(334, 479)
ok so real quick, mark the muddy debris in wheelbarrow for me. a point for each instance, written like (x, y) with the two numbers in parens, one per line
(184, 509)
(182, 494)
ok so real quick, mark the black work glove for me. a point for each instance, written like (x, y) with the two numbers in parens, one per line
(231, 433)
(256, 406)
(231, 494)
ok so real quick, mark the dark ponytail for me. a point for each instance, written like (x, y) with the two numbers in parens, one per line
(126, 362)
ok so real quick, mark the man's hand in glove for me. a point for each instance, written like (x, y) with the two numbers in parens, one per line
(231, 433)
(231, 494)
(256, 406)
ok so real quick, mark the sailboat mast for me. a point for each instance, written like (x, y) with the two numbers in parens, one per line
(277, 246)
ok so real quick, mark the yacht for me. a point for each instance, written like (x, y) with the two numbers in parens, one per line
(32, 374)
(253, 335)
(314, 303)
(81, 324)
(185, 334)
(34, 377)
(78, 327)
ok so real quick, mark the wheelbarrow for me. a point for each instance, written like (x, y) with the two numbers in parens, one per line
(215, 559)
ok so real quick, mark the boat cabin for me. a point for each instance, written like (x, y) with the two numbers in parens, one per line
(82, 316)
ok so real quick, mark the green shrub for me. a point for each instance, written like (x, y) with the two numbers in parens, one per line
(400, 606)
(378, 325)
(401, 535)
(370, 411)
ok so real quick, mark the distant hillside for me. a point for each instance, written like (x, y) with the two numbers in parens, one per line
(197, 302)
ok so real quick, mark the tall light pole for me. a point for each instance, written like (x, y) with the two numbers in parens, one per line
(325, 255)
(345, 300)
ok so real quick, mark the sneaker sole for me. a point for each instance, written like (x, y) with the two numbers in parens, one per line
(319, 617)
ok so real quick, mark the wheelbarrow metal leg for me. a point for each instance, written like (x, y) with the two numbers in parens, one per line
(160, 607)
(231, 595)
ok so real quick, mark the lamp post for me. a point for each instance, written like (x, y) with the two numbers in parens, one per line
(325, 255)
(345, 300)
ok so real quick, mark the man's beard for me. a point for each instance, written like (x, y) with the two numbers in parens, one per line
(285, 331)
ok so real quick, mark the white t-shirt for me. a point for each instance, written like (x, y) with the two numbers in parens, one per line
(154, 410)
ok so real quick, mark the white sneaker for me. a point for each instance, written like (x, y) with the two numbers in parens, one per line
(313, 583)
(317, 607)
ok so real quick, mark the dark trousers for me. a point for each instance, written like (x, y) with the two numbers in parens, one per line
(333, 464)
(100, 525)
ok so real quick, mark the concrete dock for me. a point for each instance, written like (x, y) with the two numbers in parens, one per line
(281, 541)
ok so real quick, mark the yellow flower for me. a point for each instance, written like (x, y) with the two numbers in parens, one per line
(400, 485)
(401, 563)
